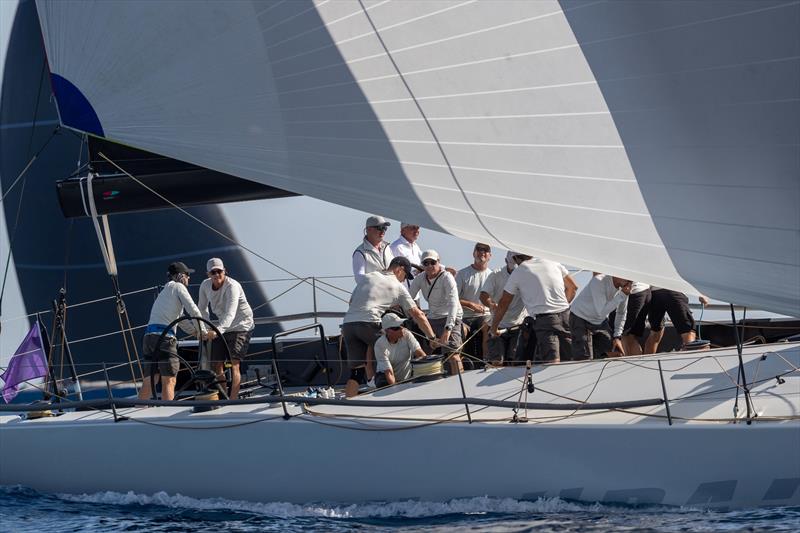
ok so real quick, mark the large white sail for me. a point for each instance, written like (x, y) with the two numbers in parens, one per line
(652, 140)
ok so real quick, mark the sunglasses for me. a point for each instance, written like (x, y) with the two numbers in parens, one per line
(483, 250)
(379, 228)
(429, 262)
(395, 328)
(216, 272)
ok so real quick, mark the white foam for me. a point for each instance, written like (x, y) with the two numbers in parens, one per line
(407, 508)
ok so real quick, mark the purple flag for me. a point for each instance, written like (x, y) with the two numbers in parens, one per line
(28, 362)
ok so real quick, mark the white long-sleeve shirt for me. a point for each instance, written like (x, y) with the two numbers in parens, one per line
(441, 294)
(598, 299)
(228, 303)
(169, 305)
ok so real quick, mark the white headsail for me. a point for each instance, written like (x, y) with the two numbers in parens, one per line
(648, 140)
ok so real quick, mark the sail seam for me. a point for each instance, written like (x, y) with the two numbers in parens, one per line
(430, 127)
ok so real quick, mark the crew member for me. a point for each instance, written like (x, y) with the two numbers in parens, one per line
(170, 304)
(394, 351)
(372, 297)
(546, 289)
(503, 348)
(438, 287)
(373, 254)
(469, 281)
(636, 318)
(588, 321)
(406, 244)
(676, 305)
(235, 320)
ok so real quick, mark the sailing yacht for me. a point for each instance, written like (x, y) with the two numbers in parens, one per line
(654, 141)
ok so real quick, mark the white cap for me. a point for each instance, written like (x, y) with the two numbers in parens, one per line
(429, 254)
(375, 220)
(510, 259)
(214, 263)
(391, 320)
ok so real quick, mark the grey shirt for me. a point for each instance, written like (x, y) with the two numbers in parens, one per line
(494, 286)
(396, 356)
(374, 294)
(469, 282)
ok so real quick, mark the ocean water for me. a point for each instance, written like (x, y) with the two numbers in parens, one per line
(24, 510)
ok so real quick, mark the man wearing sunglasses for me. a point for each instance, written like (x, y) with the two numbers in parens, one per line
(394, 351)
(361, 327)
(373, 254)
(469, 281)
(235, 320)
(438, 287)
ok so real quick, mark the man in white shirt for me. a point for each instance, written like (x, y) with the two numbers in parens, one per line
(444, 311)
(469, 281)
(373, 254)
(503, 348)
(361, 327)
(162, 358)
(588, 321)
(406, 244)
(394, 351)
(546, 289)
(235, 320)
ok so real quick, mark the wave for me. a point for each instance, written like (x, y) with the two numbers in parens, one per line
(403, 508)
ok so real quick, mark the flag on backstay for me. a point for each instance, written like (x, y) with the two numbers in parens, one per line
(28, 362)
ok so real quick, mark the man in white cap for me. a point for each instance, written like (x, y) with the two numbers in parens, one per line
(406, 244)
(394, 351)
(361, 327)
(373, 254)
(588, 322)
(235, 320)
(469, 281)
(444, 310)
(546, 289)
(503, 348)
(162, 357)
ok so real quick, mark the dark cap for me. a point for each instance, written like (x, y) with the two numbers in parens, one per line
(179, 268)
(402, 262)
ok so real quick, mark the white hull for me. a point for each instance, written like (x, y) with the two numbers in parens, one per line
(332, 453)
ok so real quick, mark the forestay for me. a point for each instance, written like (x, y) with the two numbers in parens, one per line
(652, 140)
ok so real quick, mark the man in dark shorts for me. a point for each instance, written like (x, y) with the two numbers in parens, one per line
(636, 318)
(438, 286)
(162, 358)
(676, 305)
(374, 294)
(225, 297)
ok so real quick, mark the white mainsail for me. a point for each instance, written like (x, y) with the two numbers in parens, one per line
(652, 140)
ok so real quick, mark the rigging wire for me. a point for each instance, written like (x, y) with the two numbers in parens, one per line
(218, 232)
